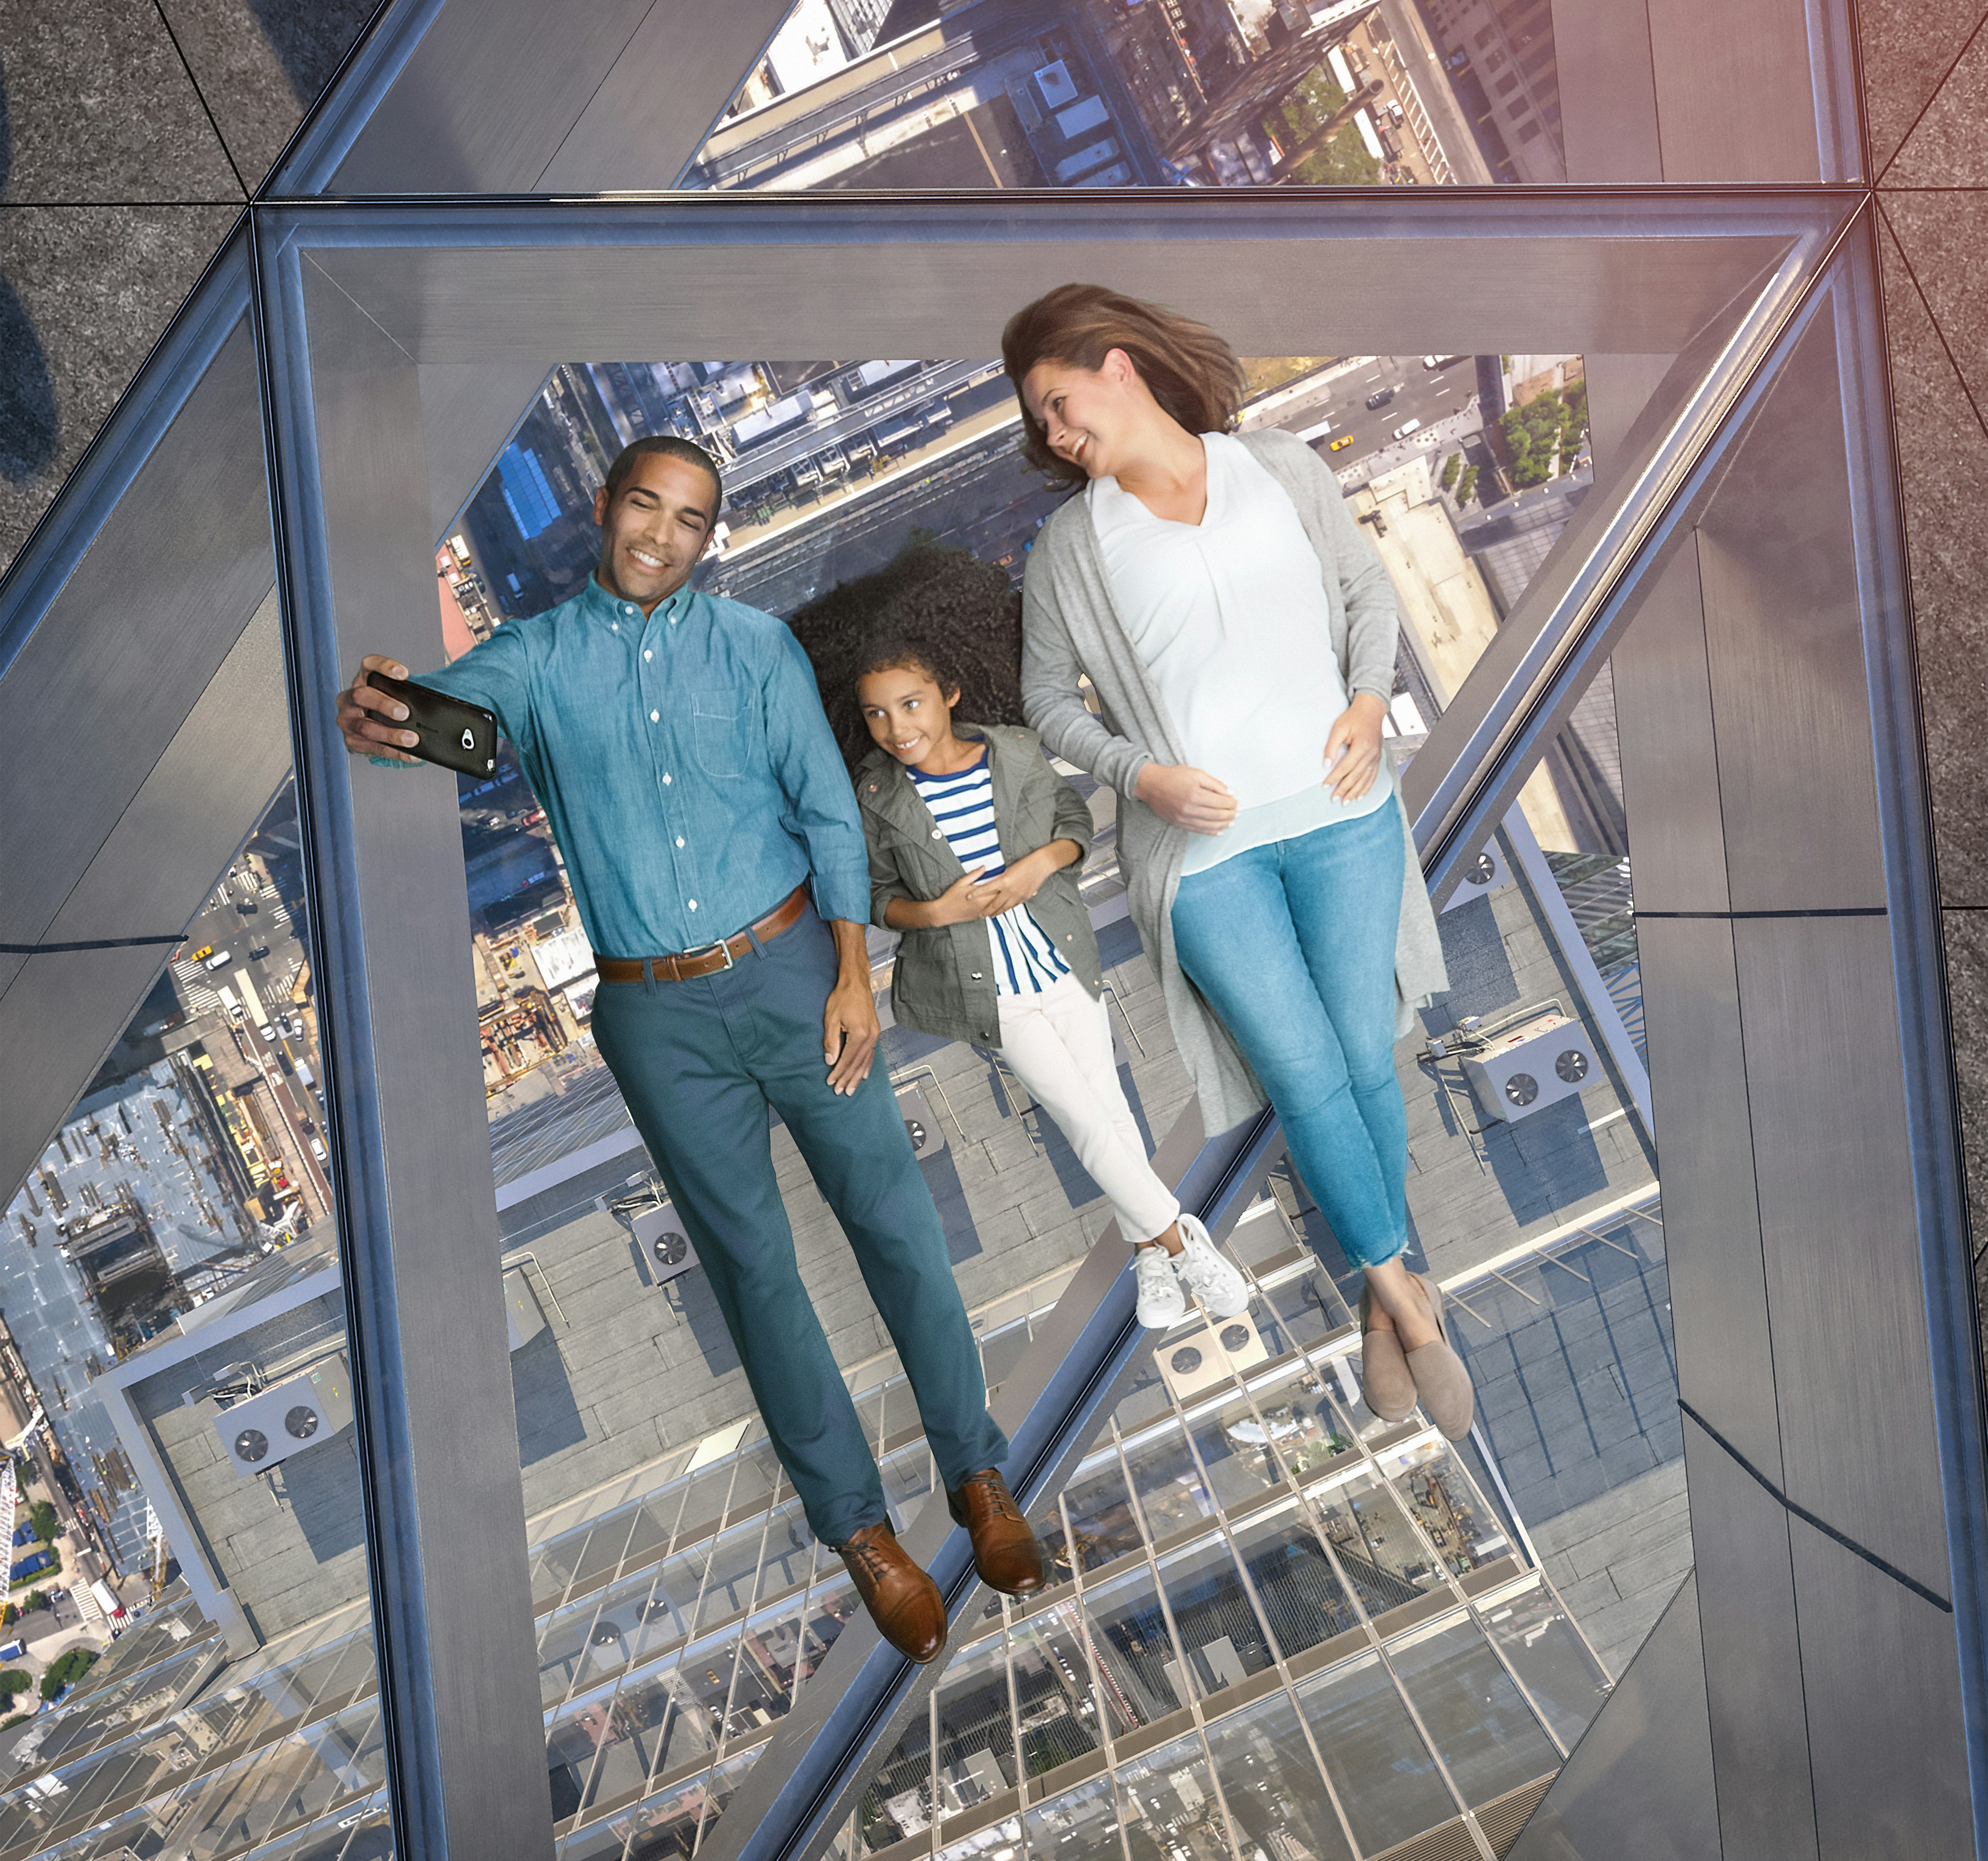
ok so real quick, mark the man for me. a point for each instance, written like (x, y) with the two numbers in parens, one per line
(677, 745)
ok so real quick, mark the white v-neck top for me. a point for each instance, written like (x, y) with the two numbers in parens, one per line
(1229, 616)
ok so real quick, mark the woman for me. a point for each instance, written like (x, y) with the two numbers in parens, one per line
(975, 843)
(1239, 633)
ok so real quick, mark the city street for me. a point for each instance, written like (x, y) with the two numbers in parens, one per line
(1430, 395)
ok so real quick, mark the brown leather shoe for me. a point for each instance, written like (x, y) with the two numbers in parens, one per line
(904, 1601)
(1005, 1551)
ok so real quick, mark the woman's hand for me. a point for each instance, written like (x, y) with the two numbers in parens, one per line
(1188, 797)
(1353, 747)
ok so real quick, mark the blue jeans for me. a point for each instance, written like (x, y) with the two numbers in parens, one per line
(1293, 945)
(699, 1063)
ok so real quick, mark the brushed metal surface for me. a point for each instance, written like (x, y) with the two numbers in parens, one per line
(1757, 1707)
(1880, 1673)
(1607, 91)
(1670, 760)
(487, 284)
(417, 1209)
(122, 653)
(468, 411)
(1638, 1787)
(482, 102)
(1839, 1232)
(1784, 637)
(643, 125)
(1735, 96)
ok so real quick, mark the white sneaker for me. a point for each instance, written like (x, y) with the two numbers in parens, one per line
(1201, 1270)
(1162, 1305)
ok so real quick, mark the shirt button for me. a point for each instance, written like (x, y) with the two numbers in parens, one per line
(935, 833)
(693, 904)
(655, 717)
(616, 625)
(666, 778)
(679, 840)
(976, 976)
(647, 655)
(627, 609)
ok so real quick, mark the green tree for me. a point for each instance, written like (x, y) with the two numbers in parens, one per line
(1468, 488)
(42, 1514)
(66, 1670)
(1451, 467)
(37, 1599)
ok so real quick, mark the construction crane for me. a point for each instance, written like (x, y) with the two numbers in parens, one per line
(155, 1534)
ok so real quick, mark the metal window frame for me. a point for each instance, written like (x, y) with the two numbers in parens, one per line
(1458, 789)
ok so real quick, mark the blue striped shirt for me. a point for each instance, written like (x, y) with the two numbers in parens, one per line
(1026, 962)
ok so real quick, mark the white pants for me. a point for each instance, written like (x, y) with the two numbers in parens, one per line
(1058, 1044)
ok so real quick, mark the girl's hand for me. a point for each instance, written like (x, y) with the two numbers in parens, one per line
(1019, 883)
(959, 903)
(1353, 747)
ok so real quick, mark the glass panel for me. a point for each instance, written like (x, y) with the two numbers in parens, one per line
(1373, 1542)
(1240, 1447)
(1387, 1783)
(1535, 1633)
(1138, 1669)
(1480, 1723)
(1170, 1807)
(1443, 93)
(1102, 1524)
(1054, 1704)
(1270, 1782)
(1300, 1594)
(1430, 1483)
(1217, 1626)
(1081, 1824)
(1173, 1493)
(976, 1738)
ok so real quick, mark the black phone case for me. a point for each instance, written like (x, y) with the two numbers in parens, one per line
(454, 735)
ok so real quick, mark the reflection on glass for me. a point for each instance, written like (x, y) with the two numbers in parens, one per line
(1300, 1594)
(975, 1751)
(1488, 1737)
(1219, 1628)
(1102, 1523)
(1387, 1783)
(1535, 1635)
(1241, 1447)
(898, 1802)
(1270, 1782)
(1172, 1493)
(1429, 1481)
(1002, 1842)
(1171, 1806)
(1374, 1541)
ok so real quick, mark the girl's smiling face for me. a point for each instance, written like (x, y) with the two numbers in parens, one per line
(907, 712)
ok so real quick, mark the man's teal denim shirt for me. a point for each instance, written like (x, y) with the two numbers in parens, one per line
(683, 761)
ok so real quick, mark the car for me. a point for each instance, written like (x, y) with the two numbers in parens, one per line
(201, 955)
(258, 952)
(1432, 361)
(219, 960)
(318, 1149)
(268, 1034)
(1344, 439)
(1406, 428)
(1381, 397)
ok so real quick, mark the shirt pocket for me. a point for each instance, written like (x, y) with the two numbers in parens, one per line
(715, 733)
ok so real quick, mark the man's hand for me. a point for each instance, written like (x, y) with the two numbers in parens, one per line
(849, 1030)
(1188, 797)
(366, 717)
(1353, 747)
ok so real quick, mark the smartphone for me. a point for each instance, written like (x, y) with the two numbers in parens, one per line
(454, 735)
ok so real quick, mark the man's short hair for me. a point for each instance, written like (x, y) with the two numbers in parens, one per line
(666, 445)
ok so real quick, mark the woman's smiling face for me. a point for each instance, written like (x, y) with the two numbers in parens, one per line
(1084, 411)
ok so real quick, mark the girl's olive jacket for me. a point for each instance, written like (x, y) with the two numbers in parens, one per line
(944, 981)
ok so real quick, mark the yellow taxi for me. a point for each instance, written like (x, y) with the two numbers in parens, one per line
(201, 954)
(1344, 439)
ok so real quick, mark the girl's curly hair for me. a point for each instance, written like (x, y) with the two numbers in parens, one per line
(933, 606)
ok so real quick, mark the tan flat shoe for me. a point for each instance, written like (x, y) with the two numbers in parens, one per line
(1442, 1383)
(1385, 1379)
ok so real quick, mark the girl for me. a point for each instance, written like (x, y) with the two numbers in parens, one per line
(976, 844)
(1240, 634)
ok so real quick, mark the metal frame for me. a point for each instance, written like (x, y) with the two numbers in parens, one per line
(1820, 263)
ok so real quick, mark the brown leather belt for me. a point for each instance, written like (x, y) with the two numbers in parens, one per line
(708, 959)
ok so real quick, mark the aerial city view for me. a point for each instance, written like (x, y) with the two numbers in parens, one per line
(175, 1386)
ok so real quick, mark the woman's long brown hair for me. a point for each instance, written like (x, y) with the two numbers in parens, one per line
(1192, 372)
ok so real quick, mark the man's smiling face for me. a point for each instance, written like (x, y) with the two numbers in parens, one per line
(654, 529)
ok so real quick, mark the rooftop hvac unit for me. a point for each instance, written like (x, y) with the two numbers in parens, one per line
(665, 1247)
(1209, 1354)
(524, 1317)
(287, 1418)
(928, 1138)
(1528, 1067)
(1485, 872)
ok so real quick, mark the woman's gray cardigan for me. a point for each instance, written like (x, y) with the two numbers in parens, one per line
(1069, 627)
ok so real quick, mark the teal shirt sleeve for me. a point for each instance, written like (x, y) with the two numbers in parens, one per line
(495, 673)
(820, 801)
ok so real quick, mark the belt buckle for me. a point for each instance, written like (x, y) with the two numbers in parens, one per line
(721, 945)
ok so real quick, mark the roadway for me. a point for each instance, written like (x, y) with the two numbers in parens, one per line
(1428, 395)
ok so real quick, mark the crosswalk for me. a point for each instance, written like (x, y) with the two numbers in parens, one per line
(191, 981)
(279, 912)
